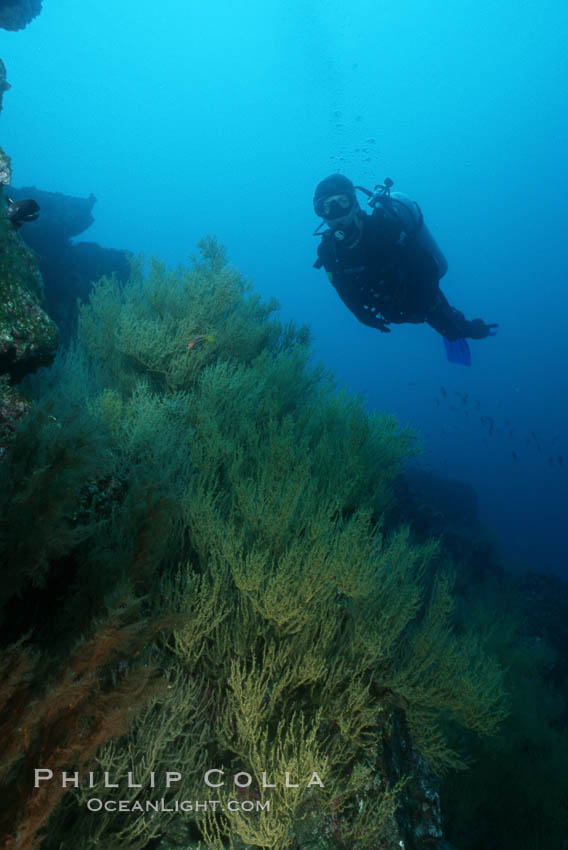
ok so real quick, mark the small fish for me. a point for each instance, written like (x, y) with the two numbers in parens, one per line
(19, 212)
(443, 391)
(515, 458)
(560, 460)
(533, 435)
(198, 341)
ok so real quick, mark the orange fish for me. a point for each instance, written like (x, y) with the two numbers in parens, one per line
(198, 341)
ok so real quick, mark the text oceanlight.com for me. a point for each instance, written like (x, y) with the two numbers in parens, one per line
(97, 805)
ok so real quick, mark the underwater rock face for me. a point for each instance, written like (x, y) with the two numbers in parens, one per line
(4, 84)
(5, 168)
(544, 601)
(13, 405)
(68, 270)
(454, 501)
(419, 818)
(62, 216)
(16, 14)
(28, 337)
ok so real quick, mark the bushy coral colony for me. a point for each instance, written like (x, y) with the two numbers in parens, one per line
(220, 515)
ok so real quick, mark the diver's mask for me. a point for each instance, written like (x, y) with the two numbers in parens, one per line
(341, 213)
(334, 206)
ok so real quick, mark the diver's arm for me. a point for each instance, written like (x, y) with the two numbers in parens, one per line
(366, 315)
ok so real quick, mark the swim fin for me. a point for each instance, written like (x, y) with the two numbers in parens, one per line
(457, 351)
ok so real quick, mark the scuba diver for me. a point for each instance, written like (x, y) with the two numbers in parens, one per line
(386, 266)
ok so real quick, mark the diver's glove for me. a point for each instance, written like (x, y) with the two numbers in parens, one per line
(19, 212)
(478, 329)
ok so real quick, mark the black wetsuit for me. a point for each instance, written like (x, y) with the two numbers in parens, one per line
(389, 277)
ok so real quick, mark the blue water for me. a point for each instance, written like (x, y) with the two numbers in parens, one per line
(185, 119)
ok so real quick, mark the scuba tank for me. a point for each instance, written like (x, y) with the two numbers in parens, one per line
(409, 215)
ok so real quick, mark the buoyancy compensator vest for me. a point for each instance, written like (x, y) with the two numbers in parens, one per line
(409, 215)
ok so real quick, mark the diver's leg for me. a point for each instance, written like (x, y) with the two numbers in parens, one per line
(452, 324)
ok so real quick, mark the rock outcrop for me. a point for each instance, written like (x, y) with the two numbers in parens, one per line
(68, 269)
(16, 14)
(5, 169)
(28, 337)
(4, 84)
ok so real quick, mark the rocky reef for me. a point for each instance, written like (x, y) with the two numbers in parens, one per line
(28, 337)
(17, 14)
(4, 84)
(68, 269)
(5, 169)
(62, 216)
(41, 272)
